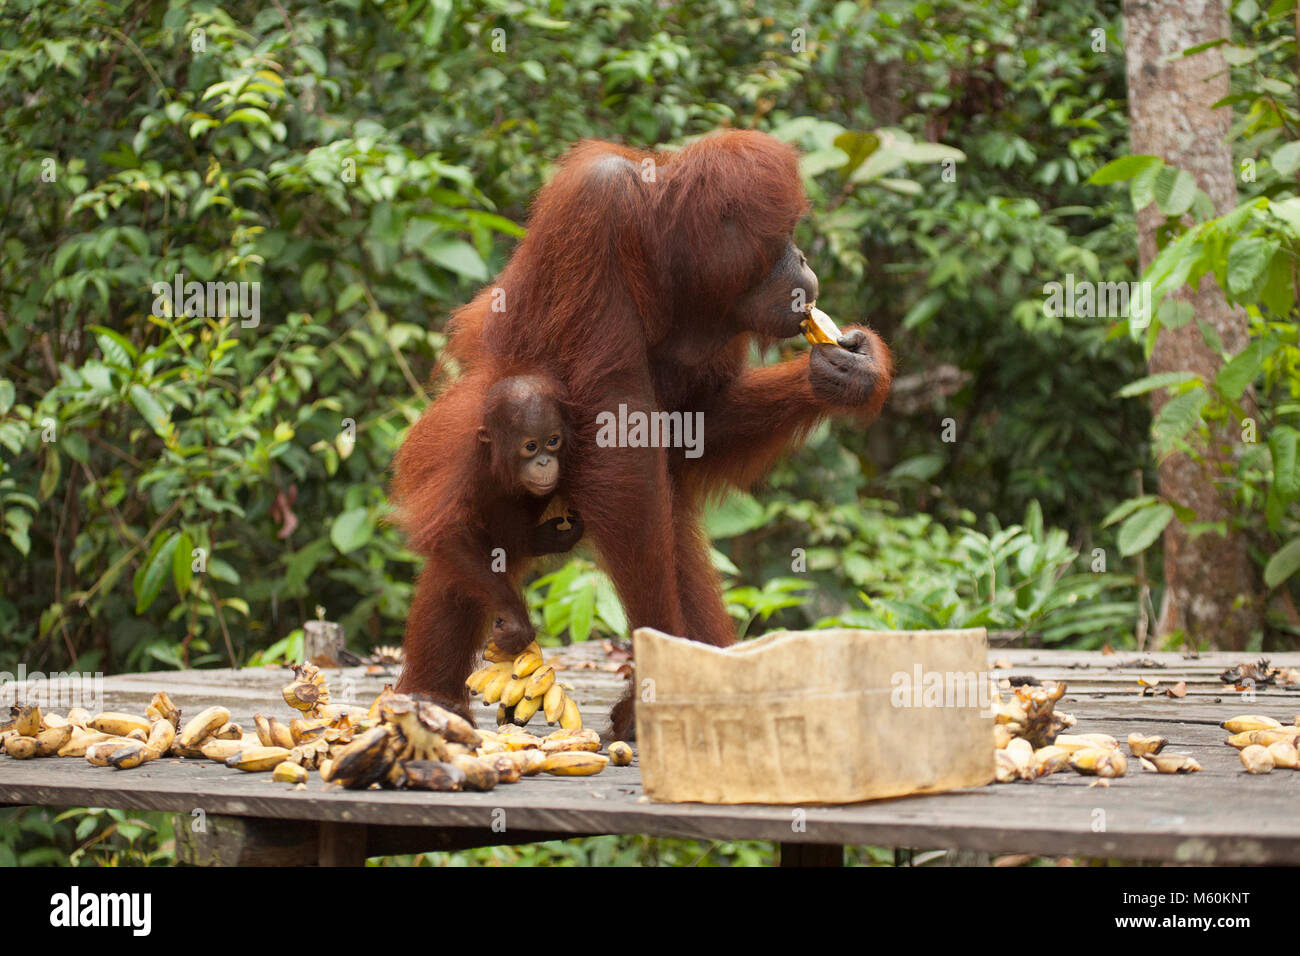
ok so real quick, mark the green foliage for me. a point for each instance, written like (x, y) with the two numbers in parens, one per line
(1250, 252)
(181, 489)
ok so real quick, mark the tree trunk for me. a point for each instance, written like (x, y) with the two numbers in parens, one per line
(1212, 587)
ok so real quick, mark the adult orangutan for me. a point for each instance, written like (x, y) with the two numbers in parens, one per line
(641, 282)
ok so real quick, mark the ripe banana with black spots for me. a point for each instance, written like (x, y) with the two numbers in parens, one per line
(258, 759)
(202, 726)
(574, 763)
(118, 724)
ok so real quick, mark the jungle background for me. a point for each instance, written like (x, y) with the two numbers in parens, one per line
(184, 492)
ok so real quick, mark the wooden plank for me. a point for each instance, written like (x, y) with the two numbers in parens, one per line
(342, 844)
(1220, 815)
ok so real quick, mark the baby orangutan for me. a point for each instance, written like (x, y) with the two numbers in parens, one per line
(476, 517)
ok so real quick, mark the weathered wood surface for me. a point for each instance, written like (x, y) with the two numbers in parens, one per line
(1219, 815)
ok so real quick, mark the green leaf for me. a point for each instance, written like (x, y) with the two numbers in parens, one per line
(49, 474)
(1152, 382)
(1142, 528)
(352, 529)
(1283, 564)
(182, 564)
(149, 408)
(149, 579)
(1237, 374)
(1175, 313)
(249, 114)
(857, 146)
(1126, 508)
(1126, 167)
(736, 514)
(458, 256)
(1178, 416)
(115, 347)
(582, 611)
(1247, 259)
(6, 395)
(1286, 159)
(1174, 191)
(353, 294)
(1282, 443)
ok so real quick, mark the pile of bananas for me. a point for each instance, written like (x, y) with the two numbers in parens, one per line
(399, 742)
(1264, 743)
(108, 739)
(418, 745)
(521, 686)
(1029, 742)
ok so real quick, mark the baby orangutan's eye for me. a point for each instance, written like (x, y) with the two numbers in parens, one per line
(553, 442)
(530, 448)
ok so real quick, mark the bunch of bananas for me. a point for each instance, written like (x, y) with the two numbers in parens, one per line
(417, 745)
(521, 686)
(1264, 743)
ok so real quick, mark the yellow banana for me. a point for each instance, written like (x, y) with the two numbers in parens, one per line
(575, 763)
(513, 692)
(53, 722)
(480, 677)
(80, 740)
(119, 725)
(539, 683)
(161, 707)
(571, 719)
(49, 742)
(21, 748)
(287, 772)
(162, 735)
(587, 740)
(202, 726)
(495, 685)
(1249, 722)
(1263, 738)
(131, 755)
(620, 754)
(230, 731)
(525, 709)
(27, 720)
(214, 748)
(525, 664)
(258, 759)
(79, 716)
(521, 742)
(553, 702)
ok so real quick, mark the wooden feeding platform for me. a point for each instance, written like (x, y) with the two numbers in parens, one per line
(1219, 815)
